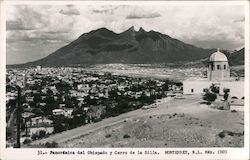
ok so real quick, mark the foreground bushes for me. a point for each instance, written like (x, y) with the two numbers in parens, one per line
(210, 97)
(51, 145)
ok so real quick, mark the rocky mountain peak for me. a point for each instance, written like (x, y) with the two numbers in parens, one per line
(103, 46)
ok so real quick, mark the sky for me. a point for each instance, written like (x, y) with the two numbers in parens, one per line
(35, 31)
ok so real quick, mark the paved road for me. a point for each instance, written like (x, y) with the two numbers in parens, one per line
(165, 104)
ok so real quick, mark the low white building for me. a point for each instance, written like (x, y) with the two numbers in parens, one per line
(48, 128)
(218, 73)
(57, 112)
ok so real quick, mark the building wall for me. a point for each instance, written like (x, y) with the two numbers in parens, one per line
(36, 130)
(218, 74)
(237, 108)
(236, 88)
(195, 87)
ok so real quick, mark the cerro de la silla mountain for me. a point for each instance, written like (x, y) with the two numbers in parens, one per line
(103, 46)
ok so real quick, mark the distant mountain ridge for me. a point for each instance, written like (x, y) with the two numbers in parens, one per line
(237, 57)
(103, 46)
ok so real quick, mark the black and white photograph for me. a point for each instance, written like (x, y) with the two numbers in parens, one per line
(126, 75)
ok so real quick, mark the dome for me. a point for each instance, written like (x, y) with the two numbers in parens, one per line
(218, 56)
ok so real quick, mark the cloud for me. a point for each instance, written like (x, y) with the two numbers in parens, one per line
(69, 10)
(35, 23)
(17, 25)
(143, 14)
(239, 20)
(24, 18)
(31, 25)
(105, 10)
(36, 36)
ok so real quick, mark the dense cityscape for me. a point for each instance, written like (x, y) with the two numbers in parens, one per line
(57, 99)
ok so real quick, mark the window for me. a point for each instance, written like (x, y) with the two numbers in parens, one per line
(212, 67)
(218, 67)
(225, 67)
(192, 90)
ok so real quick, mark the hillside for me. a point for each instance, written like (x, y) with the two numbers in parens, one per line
(103, 46)
(237, 57)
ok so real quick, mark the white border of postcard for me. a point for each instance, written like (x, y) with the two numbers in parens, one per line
(32, 153)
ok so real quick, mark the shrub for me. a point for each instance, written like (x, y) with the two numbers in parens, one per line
(108, 136)
(34, 136)
(221, 134)
(209, 97)
(205, 102)
(231, 133)
(225, 96)
(221, 108)
(206, 90)
(51, 145)
(214, 89)
(233, 111)
(26, 141)
(42, 134)
(126, 136)
(226, 90)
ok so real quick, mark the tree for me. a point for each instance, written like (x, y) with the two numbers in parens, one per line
(41, 134)
(34, 136)
(210, 96)
(226, 90)
(214, 89)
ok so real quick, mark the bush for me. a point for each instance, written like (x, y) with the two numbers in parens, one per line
(42, 134)
(209, 97)
(34, 136)
(26, 141)
(226, 90)
(108, 136)
(221, 108)
(225, 96)
(233, 111)
(206, 90)
(231, 133)
(221, 134)
(205, 102)
(214, 89)
(51, 145)
(126, 136)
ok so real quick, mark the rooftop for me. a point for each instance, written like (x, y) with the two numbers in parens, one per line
(218, 56)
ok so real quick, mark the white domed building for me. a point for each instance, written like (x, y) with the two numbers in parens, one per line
(218, 73)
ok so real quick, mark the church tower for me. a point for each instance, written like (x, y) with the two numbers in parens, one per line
(218, 67)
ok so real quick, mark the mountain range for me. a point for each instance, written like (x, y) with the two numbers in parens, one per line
(103, 46)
